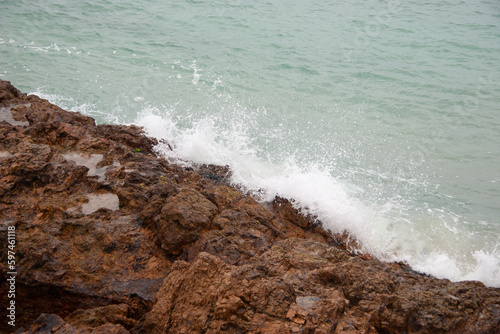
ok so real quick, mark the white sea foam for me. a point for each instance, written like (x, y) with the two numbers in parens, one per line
(196, 74)
(484, 268)
(52, 47)
(389, 231)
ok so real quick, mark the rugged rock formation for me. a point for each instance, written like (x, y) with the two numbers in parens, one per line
(111, 238)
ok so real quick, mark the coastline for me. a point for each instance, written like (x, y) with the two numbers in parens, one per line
(110, 238)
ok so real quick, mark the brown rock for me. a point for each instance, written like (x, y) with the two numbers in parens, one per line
(306, 286)
(89, 259)
(131, 136)
(182, 219)
(51, 323)
(212, 296)
(250, 267)
(112, 314)
(8, 93)
(223, 196)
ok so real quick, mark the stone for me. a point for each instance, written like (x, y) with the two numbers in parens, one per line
(51, 323)
(182, 218)
(111, 238)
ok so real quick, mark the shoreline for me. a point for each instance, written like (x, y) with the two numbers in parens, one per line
(130, 243)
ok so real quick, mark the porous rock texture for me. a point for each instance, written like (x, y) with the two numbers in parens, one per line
(111, 238)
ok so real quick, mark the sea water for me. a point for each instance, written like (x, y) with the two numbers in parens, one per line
(380, 117)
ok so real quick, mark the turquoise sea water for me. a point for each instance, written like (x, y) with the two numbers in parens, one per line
(381, 117)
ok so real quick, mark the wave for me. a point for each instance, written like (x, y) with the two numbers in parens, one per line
(430, 240)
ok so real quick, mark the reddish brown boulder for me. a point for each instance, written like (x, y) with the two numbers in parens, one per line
(8, 93)
(302, 286)
(131, 136)
(210, 296)
(181, 220)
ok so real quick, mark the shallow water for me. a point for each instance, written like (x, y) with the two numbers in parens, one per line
(99, 201)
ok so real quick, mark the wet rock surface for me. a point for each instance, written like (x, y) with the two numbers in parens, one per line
(111, 238)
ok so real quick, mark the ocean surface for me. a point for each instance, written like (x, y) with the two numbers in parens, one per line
(380, 117)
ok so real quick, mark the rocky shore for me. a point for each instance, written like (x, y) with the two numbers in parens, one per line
(110, 238)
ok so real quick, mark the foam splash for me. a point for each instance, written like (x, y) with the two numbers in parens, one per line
(485, 269)
(390, 231)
